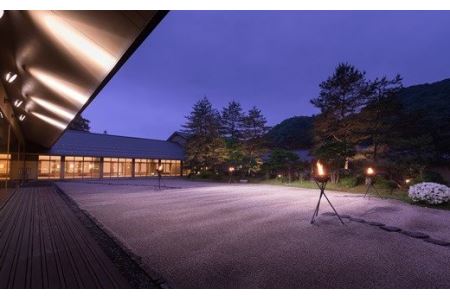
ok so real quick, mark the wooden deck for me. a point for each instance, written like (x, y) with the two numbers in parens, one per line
(44, 245)
(4, 195)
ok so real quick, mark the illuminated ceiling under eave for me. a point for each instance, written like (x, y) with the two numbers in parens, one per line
(62, 59)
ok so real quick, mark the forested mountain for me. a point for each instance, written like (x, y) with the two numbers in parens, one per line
(429, 105)
(431, 97)
(292, 133)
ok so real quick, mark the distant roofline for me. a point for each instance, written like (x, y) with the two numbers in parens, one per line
(117, 135)
(177, 132)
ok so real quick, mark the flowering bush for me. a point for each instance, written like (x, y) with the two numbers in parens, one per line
(432, 193)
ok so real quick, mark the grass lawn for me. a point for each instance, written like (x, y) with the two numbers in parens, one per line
(397, 194)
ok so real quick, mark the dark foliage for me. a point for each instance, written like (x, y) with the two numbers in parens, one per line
(79, 123)
(205, 149)
(293, 133)
(428, 107)
(233, 122)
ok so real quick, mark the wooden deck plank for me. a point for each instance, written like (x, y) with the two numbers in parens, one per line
(44, 245)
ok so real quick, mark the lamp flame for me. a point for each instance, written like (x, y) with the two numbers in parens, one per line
(320, 169)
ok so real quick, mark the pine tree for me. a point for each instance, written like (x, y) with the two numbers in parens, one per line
(232, 122)
(342, 96)
(377, 120)
(254, 131)
(232, 126)
(205, 149)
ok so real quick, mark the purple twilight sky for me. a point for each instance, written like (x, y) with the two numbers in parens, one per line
(274, 60)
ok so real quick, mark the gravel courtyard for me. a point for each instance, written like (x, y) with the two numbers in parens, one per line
(206, 235)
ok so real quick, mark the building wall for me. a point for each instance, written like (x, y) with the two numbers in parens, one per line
(51, 167)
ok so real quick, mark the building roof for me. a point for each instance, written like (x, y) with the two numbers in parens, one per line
(79, 143)
(179, 133)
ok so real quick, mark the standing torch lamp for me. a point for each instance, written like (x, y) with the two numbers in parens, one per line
(159, 170)
(230, 170)
(321, 178)
(370, 181)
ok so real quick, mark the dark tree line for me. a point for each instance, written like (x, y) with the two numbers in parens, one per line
(366, 119)
(219, 140)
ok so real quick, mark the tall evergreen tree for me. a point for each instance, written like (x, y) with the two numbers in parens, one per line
(342, 96)
(254, 131)
(232, 122)
(205, 149)
(232, 127)
(377, 120)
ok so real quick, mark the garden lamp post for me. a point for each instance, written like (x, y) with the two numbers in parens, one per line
(230, 170)
(370, 181)
(159, 171)
(321, 178)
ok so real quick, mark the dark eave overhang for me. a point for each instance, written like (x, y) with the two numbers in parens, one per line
(58, 78)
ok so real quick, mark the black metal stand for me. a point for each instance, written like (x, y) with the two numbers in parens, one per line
(370, 185)
(322, 185)
(159, 179)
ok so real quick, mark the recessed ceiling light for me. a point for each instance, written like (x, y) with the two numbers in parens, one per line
(18, 103)
(22, 117)
(10, 77)
(65, 88)
(50, 121)
(85, 50)
(54, 108)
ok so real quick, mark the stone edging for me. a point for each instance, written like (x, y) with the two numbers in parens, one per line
(413, 234)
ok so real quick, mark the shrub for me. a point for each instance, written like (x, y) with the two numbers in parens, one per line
(348, 181)
(385, 184)
(429, 192)
(430, 176)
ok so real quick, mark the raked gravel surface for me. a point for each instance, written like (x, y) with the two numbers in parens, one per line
(206, 235)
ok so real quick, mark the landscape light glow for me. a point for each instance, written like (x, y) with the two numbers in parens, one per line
(370, 182)
(50, 121)
(75, 42)
(10, 77)
(53, 108)
(62, 87)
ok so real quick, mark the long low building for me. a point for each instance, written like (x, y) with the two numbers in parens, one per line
(85, 155)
